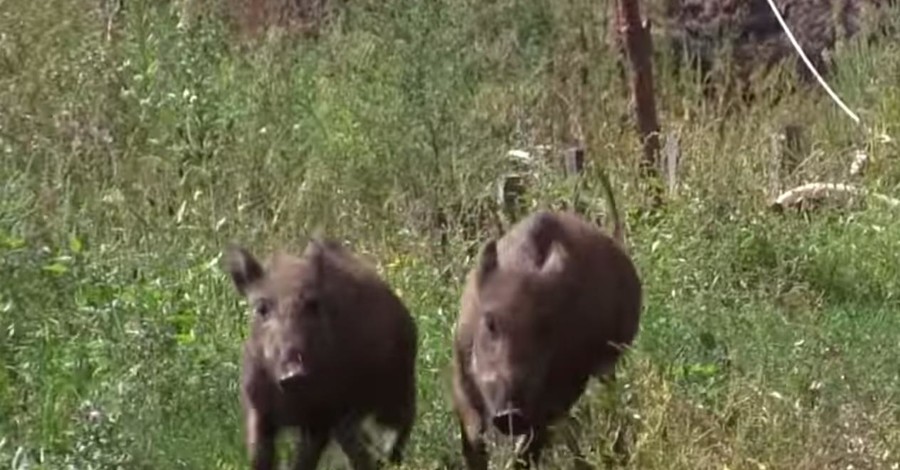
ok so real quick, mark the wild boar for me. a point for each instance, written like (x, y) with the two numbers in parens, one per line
(549, 304)
(330, 345)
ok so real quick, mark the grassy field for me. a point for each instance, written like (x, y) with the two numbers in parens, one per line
(768, 341)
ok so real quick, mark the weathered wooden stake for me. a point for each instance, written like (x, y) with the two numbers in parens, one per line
(672, 152)
(789, 147)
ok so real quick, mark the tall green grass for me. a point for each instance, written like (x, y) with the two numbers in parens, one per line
(768, 341)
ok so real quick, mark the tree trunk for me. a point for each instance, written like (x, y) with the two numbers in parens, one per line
(638, 49)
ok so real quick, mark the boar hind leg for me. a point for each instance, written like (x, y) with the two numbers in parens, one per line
(309, 449)
(605, 372)
(348, 437)
(401, 421)
(399, 446)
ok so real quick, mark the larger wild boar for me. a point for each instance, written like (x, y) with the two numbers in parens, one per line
(701, 29)
(548, 306)
(330, 345)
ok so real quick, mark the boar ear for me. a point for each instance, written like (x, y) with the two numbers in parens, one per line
(242, 267)
(319, 244)
(313, 248)
(315, 254)
(556, 260)
(487, 262)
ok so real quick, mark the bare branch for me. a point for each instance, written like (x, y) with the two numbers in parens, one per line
(814, 192)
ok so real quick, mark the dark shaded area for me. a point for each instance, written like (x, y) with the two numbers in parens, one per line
(746, 33)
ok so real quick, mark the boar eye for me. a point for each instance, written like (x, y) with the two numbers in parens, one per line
(262, 308)
(490, 324)
(312, 306)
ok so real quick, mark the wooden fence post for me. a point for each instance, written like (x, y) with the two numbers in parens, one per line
(639, 48)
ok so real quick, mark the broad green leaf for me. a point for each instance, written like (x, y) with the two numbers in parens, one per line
(75, 244)
(56, 268)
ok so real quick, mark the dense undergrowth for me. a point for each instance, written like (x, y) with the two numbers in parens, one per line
(768, 340)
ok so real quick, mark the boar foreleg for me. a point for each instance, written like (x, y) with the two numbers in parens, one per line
(309, 449)
(531, 454)
(471, 427)
(260, 441)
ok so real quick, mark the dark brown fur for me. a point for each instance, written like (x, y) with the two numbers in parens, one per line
(698, 28)
(343, 339)
(548, 306)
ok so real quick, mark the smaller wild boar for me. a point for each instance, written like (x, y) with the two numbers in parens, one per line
(330, 345)
(549, 305)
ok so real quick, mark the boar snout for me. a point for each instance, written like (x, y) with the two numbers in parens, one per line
(507, 405)
(511, 422)
(293, 369)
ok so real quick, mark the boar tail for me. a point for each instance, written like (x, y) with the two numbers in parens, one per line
(618, 233)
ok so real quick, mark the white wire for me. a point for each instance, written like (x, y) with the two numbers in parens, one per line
(809, 64)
